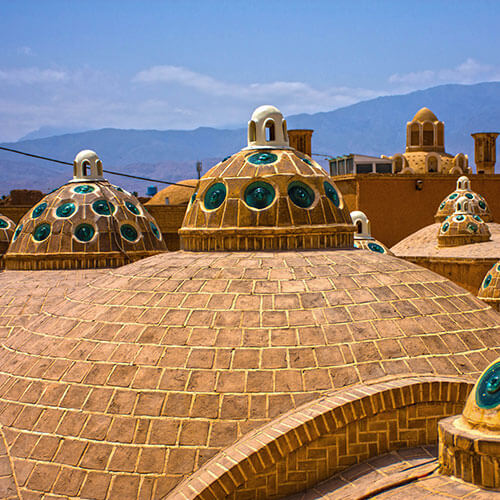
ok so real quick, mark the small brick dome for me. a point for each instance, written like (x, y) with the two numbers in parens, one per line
(267, 196)
(477, 202)
(86, 223)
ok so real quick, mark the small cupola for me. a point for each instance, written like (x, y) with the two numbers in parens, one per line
(362, 223)
(463, 183)
(267, 129)
(87, 167)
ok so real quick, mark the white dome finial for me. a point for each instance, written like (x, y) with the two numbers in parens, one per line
(267, 129)
(463, 183)
(87, 167)
(362, 223)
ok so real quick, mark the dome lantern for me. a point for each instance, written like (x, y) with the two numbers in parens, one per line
(87, 167)
(267, 129)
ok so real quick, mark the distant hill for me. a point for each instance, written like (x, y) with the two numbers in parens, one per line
(372, 127)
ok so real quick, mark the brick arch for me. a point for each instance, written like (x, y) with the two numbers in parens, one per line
(308, 445)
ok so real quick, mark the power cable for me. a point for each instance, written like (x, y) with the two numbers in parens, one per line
(107, 171)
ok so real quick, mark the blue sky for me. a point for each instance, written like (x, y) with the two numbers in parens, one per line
(183, 64)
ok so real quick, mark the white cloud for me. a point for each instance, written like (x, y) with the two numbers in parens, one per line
(301, 95)
(31, 76)
(470, 71)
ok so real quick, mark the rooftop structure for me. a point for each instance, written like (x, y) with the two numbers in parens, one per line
(87, 223)
(363, 238)
(216, 373)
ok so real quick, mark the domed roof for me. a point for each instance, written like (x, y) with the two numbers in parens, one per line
(482, 410)
(147, 371)
(363, 238)
(175, 194)
(478, 204)
(490, 287)
(6, 231)
(266, 197)
(425, 114)
(462, 227)
(83, 224)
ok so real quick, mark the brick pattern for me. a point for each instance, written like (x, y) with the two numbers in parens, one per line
(136, 379)
(176, 195)
(407, 473)
(234, 225)
(462, 229)
(471, 455)
(318, 440)
(61, 250)
(489, 291)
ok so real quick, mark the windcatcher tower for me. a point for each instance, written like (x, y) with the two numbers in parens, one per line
(485, 154)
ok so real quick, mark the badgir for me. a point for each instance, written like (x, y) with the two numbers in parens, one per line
(282, 352)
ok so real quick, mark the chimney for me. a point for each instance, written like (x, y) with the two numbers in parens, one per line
(485, 155)
(300, 139)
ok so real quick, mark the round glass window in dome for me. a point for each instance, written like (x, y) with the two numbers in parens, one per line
(445, 227)
(469, 195)
(17, 232)
(487, 281)
(482, 204)
(66, 210)
(332, 194)
(41, 232)
(472, 227)
(155, 230)
(309, 162)
(84, 232)
(3, 224)
(262, 158)
(215, 196)
(488, 388)
(453, 196)
(103, 207)
(476, 217)
(132, 208)
(129, 232)
(84, 189)
(459, 218)
(442, 205)
(375, 247)
(301, 194)
(38, 210)
(226, 158)
(259, 195)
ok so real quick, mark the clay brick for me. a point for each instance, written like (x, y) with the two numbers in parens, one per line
(124, 459)
(125, 486)
(164, 432)
(96, 456)
(193, 433)
(152, 460)
(43, 476)
(70, 451)
(69, 481)
(181, 461)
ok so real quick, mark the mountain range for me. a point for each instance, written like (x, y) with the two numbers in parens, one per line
(374, 127)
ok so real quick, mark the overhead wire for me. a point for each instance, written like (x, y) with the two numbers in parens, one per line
(107, 171)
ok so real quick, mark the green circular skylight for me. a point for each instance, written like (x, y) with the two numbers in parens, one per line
(487, 281)
(215, 196)
(66, 210)
(453, 196)
(375, 247)
(132, 208)
(84, 189)
(482, 204)
(3, 223)
(469, 195)
(128, 232)
(103, 207)
(259, 194)
(41, 232)
(38, 210)
(262, 158)
(488, 388)
(84, 232)
(445, 227)
(332, 194)
(301, 194)
(155, 230)
(17, 232)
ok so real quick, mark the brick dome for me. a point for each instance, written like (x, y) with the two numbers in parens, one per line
(130, 383)
(267, 196)
(175, 195)
(489, 290)
(6, 232)
(477, 202)
(86, 223)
